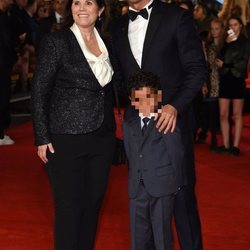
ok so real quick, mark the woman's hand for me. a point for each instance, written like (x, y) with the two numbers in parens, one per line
(219, 63)
(42, 151)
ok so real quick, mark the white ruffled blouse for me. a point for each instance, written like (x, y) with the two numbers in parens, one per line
(100, 65)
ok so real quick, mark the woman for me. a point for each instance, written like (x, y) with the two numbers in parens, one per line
(233, 67)
(74, 124)
(210, 90)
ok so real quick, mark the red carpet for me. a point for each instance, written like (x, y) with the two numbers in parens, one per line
(26, 210)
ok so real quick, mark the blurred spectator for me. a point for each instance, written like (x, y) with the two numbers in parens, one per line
(42, 12)
(7, 59)
(233, 67)
(118, 8)
(59, 19)
(202, 17)
(228, 5)
(210, 89)
(30, 24)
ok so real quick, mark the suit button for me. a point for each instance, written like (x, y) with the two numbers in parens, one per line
(141, 156)
(138, 171)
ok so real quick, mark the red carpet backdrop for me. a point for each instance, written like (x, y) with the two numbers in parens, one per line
(26, 208)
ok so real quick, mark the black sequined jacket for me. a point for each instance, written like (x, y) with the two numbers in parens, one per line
(66, 96)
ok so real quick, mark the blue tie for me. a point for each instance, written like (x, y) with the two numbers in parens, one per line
(145, 121)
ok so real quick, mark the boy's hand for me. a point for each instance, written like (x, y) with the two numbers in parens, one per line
(167, 118)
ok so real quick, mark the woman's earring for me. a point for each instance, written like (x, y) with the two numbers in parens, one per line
(99, 18)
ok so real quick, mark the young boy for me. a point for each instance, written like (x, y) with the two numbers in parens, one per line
(155, 167)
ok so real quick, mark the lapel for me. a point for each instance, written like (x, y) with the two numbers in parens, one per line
(135, 125)
(154, 21)
(78, 51)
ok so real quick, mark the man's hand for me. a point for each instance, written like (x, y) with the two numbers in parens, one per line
(167, 119)
(42, 151)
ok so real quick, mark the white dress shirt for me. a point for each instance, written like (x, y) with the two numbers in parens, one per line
(136, 34)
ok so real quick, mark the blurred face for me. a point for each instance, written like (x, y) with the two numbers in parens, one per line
(42, 12)
(60, 6)
(216, 30)
(85, 12)
(198, 12)
(21, 3)
(235, 26)
(6, 4)
(146, 100)
(184, 6)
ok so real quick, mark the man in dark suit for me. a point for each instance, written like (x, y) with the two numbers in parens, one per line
(155, 167)
(163, 39)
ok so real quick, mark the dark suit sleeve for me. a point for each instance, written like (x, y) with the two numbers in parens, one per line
(193, 62)
(118, 78)
(42, 86)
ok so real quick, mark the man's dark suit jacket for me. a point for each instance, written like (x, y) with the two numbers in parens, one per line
(172, 50)
(66, 96)
(156, 158)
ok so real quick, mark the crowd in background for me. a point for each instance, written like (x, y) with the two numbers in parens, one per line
(222, 95)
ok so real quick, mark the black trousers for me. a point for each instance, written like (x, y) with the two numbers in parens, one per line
(5, 82)
(186, 214)
(78, 172)
(210, 120)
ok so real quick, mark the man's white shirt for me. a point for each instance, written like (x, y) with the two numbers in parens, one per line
(137, 32)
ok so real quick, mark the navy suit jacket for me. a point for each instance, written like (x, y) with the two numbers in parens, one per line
(172, 50)
(156, 158)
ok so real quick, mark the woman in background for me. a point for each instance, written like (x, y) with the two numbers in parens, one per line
(233, 67)
(210, 89)
(74, 123)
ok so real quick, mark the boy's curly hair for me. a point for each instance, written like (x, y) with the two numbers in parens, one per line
(143, 79)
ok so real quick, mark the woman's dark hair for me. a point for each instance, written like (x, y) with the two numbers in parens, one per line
(243, 30)
(100, 3)
(102, 22)
(143, 79)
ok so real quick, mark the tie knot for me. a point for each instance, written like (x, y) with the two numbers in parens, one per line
(133, 14)
(145, 121)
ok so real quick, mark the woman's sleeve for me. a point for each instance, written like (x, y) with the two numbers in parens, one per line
(41, 89)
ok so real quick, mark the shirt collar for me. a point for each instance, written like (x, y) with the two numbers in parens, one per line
(58, 17)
